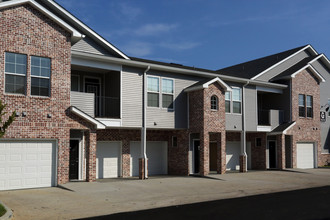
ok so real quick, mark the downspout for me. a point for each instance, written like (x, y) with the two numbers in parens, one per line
(144, 123)
(243, 148)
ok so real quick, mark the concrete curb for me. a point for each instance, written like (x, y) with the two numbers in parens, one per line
(9, 213)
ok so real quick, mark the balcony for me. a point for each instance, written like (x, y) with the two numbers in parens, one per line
(96, 106)
(269, 119)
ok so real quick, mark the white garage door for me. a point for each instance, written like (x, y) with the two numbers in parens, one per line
(233, 151)
(305, 155)
(157, 157)
(108, 159)
(27, 164)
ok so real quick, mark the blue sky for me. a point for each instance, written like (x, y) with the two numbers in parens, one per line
(209, 34)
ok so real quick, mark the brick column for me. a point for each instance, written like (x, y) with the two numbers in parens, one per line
(143, 167)
(63, 161)
(280, 151)
(91, 156)
(126, 159)
(204, 162)
(242, 163)
(221, 151)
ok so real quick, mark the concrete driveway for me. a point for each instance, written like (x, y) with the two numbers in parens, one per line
(81, 199)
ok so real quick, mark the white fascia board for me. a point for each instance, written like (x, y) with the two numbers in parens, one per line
(144, 65)
(95, 64)
(98, 124)
(218, 80)
(74, 32)
(264, 128)
(324, 58)
(288, 128)
(317, 74)
(85, 27)
(268, 89)
(275, 65)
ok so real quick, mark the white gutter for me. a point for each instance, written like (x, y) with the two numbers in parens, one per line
(144, 124)
(243, 136)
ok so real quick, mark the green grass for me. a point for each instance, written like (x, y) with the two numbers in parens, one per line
(2, 210)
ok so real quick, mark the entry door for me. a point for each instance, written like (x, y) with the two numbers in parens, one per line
(272, 154)
(213, 156)
(196, 155)
(93, 86)
(74, 159)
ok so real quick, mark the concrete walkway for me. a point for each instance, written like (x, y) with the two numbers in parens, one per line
(81, 199)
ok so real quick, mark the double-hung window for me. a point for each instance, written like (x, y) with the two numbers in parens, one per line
(302, 105)
(15, 71)
(167, 93)
(227, 102)
(237, 100)
(153, 91)
(40, 76)
(309, 106)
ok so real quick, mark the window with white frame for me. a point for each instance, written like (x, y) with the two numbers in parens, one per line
(214, 102)
(15, 73)
(237, 100)
(227, 102)
(309, 106)
(153, 91)
(40, 76)
(302, 105)
(167, 93)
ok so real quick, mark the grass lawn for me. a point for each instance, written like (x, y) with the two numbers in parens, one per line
(2, 210)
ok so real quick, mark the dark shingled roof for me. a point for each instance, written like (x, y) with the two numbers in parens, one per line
(293, 68)
(199, 83)
(282, 127)
(252, 68)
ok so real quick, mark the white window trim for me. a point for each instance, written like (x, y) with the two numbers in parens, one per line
(229, 102)
(232, 101)
(161, 92)
(309, 107)
(15, 74)
(216, 104)
(41, 77)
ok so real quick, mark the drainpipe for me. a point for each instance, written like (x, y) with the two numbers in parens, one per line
(243, 136)
(144, 123)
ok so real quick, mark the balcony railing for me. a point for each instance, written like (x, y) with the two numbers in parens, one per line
(270, 117)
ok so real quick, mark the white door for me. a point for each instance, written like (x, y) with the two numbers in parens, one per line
(108, 159)
(233, 152)
(157, 157)
(305, 155)
(27, 164)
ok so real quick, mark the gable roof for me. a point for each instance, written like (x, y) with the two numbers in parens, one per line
(66, 15)
(205, 84)
(253, 68)
(87, 117)
(283, 128)
(75, 35)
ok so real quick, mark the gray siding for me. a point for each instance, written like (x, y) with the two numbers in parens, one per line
(83, 101)
(89, 46)
(251, 108)
(324, 97)
(283, 66)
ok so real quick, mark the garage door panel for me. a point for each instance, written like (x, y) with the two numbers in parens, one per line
(108, 159)
(305, 155)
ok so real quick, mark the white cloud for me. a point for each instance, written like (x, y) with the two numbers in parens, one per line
(137, 48)
(154, 29)
(180, 45)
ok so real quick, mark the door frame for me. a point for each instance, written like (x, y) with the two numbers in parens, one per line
(80, 158)
(194, 154)
(268, 154)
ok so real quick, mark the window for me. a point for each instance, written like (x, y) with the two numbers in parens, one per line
(75, 83)
(214, 102)
(301, 105)
(309, 106)
(227, 102)
(167, 93)
(15, 73)
(153, 91)
(329, 106)
(258, 142)
(174, 141)
(40, 76)
(237, 100)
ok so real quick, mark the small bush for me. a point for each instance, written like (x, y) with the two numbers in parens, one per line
(2, 210)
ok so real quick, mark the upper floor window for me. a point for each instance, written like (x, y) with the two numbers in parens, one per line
(40, 76)
(167, 93)
(214, 102)
(302, 105)
(237, 100)
(153, 91)
(309, 106)
(15, 73)
(227, 102)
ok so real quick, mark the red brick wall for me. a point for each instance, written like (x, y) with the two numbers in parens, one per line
(324, 160)
(306, 129)
(258, 153)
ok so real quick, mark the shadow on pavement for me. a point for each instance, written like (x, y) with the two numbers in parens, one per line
(313, 203)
